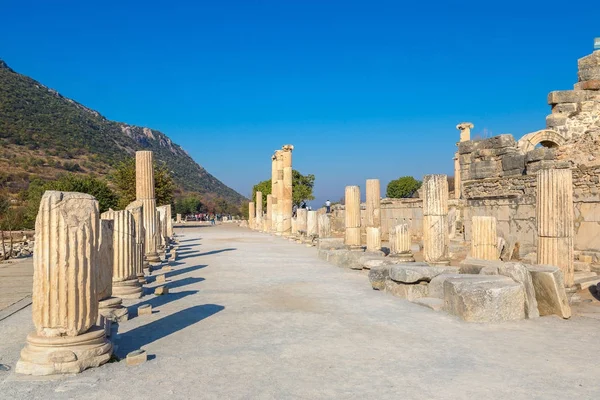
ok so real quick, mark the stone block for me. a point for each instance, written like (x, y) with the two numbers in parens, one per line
(498, 142)
(564, 108)
(519, 273)
(376, 261)
(436, 285)
(542, 153)
(489, 270)
(566, 96)
(145, 309)
(593, 84)
(136, 357)
(549, 289)
(472, 265)
(556, 120)
(159, 291)
(432, 303)
(330, 243)
(513, 162)
(485, 169)
(490, 300)
(586, 258)
(415, 272)
(161, 278)
(535, 166)
(466, 147)
(406, 291)
(378, 275)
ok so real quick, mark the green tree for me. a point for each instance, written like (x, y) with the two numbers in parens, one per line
(188, 205)
(302, 189)
(124, 179)
(402, 187)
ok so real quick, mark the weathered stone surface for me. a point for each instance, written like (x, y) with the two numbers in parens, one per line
(435, 218)
(484, 238)
(145, 309)
(436, 285)
(159, 291)
(588, 85)
(406, 291)
(251, 215)
(550, 290)
(373, 238)
(520, 274)
(485, 169)
(312, 224)
(324, 226)
(415, 272)
(352, 216)
(373, 203)
(285, 200)
(494, 299)
(514, 162)
(136, 357)
(432, 303)
(472, 265)
(378, 276)
(330, 243)
(567, 96)
(144, 190)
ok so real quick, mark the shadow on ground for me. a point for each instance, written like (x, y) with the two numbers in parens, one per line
(183, 282)
(171, 274)
(208, 253)
(159, 301)
(143, 335)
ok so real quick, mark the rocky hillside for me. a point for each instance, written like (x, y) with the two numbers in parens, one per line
(43, 134)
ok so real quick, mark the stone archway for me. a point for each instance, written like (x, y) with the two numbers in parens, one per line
(545, 137)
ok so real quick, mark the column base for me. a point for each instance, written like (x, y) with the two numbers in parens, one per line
(130, 289)
(441, 263)
(112, 309)
(64, 354)
(152, 257)
(403, 257)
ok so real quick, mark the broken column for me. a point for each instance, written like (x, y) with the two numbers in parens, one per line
(373, 239)
(352, 217)
(373, 215)
(251, 215)
(259, 211)
(163, 225)
(144, 190)
(400, 243)
(312, 224)
(136, 209)
(269, 213)
(65, 294)
(302, 221)
(555, 220)
(465, 135)
(324, 226)
(484, 239)
(169, 220)
(274, 193)
(435, 219)
(109, 307)
(178, 219)
(286, 191)
(125, 281)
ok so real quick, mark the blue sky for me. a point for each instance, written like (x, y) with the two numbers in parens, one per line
(363, 89)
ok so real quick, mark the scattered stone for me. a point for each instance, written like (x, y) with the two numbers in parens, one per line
(159, 291)
(161, 278)
(489, 270)
(519, 273)
(436, 285)
(136, 357)
(550, 290)
(378, 275)
(430, 302)
(415, 272)
(167, 268)
(145, 309)
(406, 291)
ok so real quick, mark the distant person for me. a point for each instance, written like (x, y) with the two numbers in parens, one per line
(328, 206)
(303, 204)
(294, 211)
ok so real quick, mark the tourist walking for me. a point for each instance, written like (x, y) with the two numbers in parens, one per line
(328, 206)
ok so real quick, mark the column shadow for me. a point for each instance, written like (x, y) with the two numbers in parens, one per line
(146, 334)
(171, 274)
(183, 282)
(208, 253)
(158, 301)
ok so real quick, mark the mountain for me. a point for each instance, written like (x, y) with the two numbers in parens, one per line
(43, 134)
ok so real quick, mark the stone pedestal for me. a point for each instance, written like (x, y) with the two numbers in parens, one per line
(435, 219)
(373, 239)
(484, 239)
(302, 221)
(312, 224)
(352, 217)
(286, 211)
(259, 211)
(400, 243)
(65, 293)
(373, 214)
(251, 215)
(324, 226)
(555, 221)
(144, 190)
(125, 280)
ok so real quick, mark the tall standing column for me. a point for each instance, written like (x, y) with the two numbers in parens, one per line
(555, 220)
(286, 212)
(125, 281)
(324, 226)
(373, 216)
(465, 135)
(269, 213)
(259, 211)
(65, 293)
(144, 190)
(279, 188)
(169, 222)
(251, 215)
(435, 219)
(274, 193)
(400, 243)
(352, 217)
(484, 238)
(312, 224)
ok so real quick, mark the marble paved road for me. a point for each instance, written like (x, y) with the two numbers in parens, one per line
(16, 279)
(252, 316)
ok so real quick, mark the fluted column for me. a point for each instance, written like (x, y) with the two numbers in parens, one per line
(125, 281)
(105, 259)
(169, 222)
(352, 217)
(373, 216)
(400, 243)
(259, 211)
(279, 188)
(65, 292)
(274, 193)
(144, 190)
(251, 215)
(286, 212)
(269, 213)
(136, 209)
(373, 238)
(555, 220)
(312, 224)
(435, 219)
(163, 225)
(484, 238)
(324, 226)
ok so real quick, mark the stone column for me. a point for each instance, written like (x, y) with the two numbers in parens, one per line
(269, 213)
(435, 219)
(65, 293)
(324, 226)
(400, 243)
(178, 218)
(136, 209)
(259, 211)
(294, 226)
(312, 224)
(251, 215)
(279, 193)
(484, 238)
(274, 193)
(373, 239)
(169, 222)
(465, 135)
(163, 218)
(125, 281)
(352, 217)
(302, 221)
(555, 220)
(286, 211)
(144, 190)
(373, 216)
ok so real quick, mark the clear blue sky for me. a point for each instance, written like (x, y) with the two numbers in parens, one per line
(363, 89)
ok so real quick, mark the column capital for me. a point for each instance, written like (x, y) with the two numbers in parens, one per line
(465, 130)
